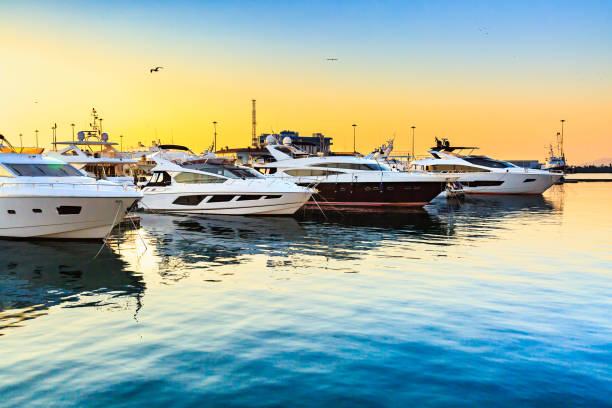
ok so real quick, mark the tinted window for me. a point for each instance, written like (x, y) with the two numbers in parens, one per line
(230, 172)
(197, 178)
(189, 200)
(68, 210)
(249, 197)
(310, 172)
(455, 167)
(486, 162)
(219, 198)
(353, 166)
(44, 170)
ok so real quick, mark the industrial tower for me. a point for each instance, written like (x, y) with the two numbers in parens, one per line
(254, 140)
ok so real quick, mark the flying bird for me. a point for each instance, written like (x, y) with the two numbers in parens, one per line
(156, 69)
(332, 59)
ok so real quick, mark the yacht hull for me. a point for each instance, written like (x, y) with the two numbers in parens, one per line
(287, 203)
(368, 194)
(507, 183)
(39, 217)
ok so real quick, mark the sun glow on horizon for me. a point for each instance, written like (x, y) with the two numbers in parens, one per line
(470, 75)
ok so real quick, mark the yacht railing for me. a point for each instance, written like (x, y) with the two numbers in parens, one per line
(98, 187)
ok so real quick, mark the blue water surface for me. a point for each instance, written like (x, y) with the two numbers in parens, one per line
(495, 301)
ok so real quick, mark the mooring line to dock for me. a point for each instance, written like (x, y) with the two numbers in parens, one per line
(105, 241)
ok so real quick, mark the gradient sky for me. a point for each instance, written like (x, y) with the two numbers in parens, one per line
(499, 75)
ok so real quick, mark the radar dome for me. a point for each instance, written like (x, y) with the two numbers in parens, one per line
(81, 136)
(270, 139)
(287, 141)
(105, 137)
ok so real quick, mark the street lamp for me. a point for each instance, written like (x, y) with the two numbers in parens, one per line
(215, 140)
(21, 141)
(561, 147)
(36, 131)
(72, 124)
(413, 155)
(354, 127)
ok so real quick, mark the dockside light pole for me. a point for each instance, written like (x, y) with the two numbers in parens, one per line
(36, 131)
(354, 128)
(413, 155)
(72, 124)
(561, 147)
(215, 140)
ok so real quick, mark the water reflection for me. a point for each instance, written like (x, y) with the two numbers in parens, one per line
(184, 243)
(35, 276)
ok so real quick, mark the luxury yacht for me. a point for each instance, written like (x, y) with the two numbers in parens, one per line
(483, 175)
(46, 198)
(351, 181)
(218, 189)
(95, 155)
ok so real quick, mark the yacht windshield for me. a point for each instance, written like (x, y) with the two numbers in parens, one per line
(487, 162)
(43, 170)
(353, 166)
(227, 171)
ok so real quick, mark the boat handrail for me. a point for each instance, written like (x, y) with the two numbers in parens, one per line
(124, 187)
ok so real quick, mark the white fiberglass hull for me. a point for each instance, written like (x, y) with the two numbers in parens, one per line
(232, 197)
(285, 204)
(517, 182)
(39, 217)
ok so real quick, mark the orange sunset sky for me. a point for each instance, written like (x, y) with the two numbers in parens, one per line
(499, 75)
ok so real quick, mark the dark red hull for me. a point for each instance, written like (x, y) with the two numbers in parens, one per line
(376, 194)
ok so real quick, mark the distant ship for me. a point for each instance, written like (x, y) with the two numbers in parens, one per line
(556, 160)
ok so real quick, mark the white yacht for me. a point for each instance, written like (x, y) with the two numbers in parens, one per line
(44, 197)
(95, 155)
(218, 189)
(351, 181)
(483, 175)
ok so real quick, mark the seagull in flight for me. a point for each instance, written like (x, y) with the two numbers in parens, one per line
(332, 59)
(156, 69)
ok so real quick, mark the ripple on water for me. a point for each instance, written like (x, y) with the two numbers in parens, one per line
(500, 301)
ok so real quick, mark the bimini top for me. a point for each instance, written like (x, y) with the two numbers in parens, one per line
(86, 143)
(174, 147)
(444, 146)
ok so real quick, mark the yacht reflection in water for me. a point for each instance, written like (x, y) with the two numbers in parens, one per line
(35, 276)
(496, 206)
(205, 242)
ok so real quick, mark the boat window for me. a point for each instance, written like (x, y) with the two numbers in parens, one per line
(455, 168)
(4, 172)
(353, 166)
(220, 198)
(267, 170)
(310, 172)
(159, 178)
(249, 197)
(229, 172)
(482, 183)
(529, 180)
(189, 200)
(487, 162)
(43, 170)
(197, 178)
(68, 209)
(273, 196)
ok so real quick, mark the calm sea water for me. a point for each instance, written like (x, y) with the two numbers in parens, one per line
(503, 301)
